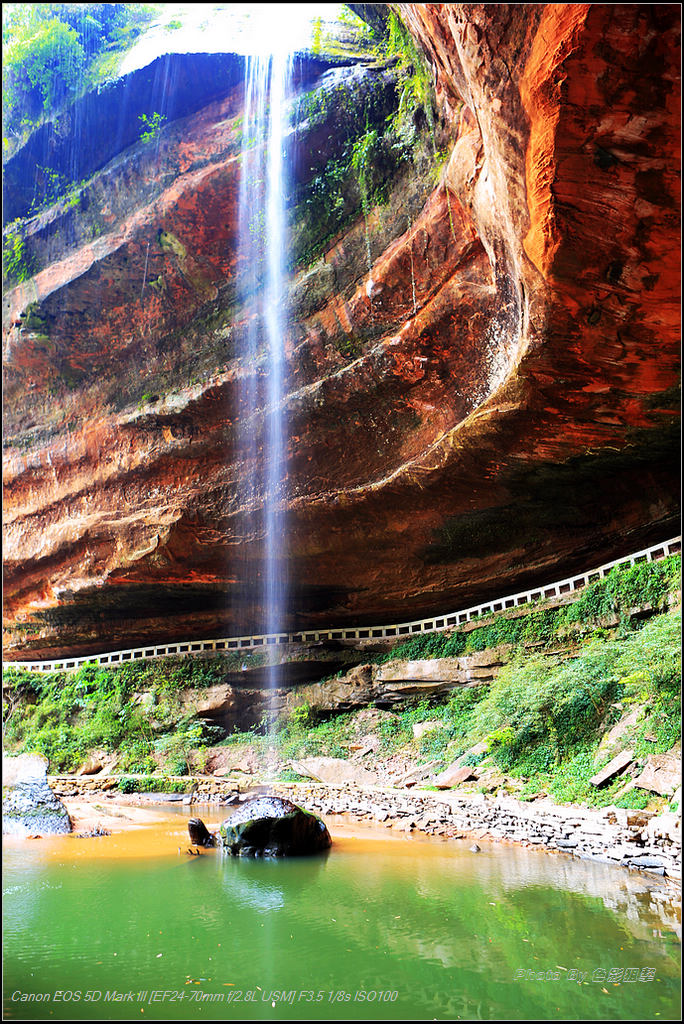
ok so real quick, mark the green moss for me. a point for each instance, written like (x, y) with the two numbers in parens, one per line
(349, 345)
(17, 266)
(359, 116)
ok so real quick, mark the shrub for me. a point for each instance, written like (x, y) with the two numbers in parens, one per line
(150, 784)
(151, 126)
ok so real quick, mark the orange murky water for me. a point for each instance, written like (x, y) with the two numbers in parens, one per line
(145, 832)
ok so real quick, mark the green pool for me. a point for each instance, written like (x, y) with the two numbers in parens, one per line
(376, 929)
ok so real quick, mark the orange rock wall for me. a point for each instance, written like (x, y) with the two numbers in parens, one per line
(496, 405)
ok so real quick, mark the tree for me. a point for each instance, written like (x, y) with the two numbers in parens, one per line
(43, 66)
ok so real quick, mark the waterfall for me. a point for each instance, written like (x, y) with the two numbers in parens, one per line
(262, 429)
(275, 292)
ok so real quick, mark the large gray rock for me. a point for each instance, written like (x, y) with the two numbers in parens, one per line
(334, 771)
(29, 807)
(270, 826)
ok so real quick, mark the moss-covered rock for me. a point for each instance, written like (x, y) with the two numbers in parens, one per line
(268, 826)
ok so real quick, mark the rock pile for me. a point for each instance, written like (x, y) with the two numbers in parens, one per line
(630, 838)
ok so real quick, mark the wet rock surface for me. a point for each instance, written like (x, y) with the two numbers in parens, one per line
(199, 833)
(270, 826)
(29, 807)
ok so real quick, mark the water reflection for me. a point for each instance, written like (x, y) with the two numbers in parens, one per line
(447, 930)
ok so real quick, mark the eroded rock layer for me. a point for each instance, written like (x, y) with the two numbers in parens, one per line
(482, 372)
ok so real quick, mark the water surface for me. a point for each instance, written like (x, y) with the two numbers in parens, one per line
(127, 927)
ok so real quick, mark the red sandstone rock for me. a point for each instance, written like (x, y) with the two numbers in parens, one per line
(511, 405)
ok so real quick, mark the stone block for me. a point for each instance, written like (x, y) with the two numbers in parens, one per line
(618, 764)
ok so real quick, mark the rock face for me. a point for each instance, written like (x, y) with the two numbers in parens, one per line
(271, 826)
(492, 397)
(29, 807)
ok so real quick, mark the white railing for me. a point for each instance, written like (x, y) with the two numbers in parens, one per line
(434, 624)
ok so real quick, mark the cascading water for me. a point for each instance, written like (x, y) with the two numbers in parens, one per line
(263, 247)
(274, 306)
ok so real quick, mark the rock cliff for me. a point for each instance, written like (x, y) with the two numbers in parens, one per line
(481, 371)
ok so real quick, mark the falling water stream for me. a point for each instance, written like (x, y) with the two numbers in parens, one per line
(263, 254)
(275, 318)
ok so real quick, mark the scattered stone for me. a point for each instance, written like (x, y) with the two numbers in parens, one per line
(647, 862)
(334, 770)
(475, 848)
(615, 738)
(366, 745)
(191, 795)
(665, 826)
(422, 728)
(453, 775)
(416, 775)
(91, 766)
(476, 751)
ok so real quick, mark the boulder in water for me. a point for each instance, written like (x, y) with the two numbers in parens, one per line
(269, 826)
(29, 807)
(199, 833)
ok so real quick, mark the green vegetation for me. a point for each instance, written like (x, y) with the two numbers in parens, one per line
(540, 722)
(616, 594)
(360, 164)
(364, 151)
(151, 126)
(352, 37)
(133, 709)
(53, 52)
(537, 727)
(150, 784)
(376, 130)
(415, 87)
(16, 265)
